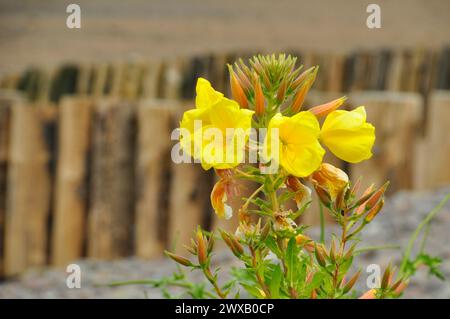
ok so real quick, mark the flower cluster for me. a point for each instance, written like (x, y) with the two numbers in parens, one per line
(279, 259)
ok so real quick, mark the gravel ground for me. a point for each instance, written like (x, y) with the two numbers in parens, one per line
(398, 220)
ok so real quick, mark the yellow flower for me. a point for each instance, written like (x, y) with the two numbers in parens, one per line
(348, 135)
(297, 146)
(215, 131)
(330, 178)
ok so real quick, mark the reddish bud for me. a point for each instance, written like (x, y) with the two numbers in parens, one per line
(325, 109)
(179, 259)
(259, 97)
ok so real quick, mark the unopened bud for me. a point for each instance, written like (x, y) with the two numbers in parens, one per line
(232, 243)
(299, 98)
(400, 288)
(374, 211)
(179, 259)
(351, 282)
(319, 256)
(236, 90)
(325, 109)
(201, 248)
(373, 200)
(333, 251)
(259, 97)
(386, 278)
(211, 243)
(296, 83)
(281, 92)
(361, 203)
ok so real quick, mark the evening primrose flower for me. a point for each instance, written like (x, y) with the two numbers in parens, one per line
(215, 131)
(348, 135)
(298, 147)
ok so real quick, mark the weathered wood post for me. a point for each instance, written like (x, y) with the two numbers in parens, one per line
(110, 216)
(154, 122)
(29, 189)
(69, 226)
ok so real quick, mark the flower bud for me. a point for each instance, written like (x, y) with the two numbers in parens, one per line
(361, 203)
(281, 92)
(373, 200)
(236, 90)
(299, 97)
(400, 287)
(296, 83)
(325, 109)
(236, 249)
(351, 282)
(201, 248)
(319, 255)
(386, 278)
(374, 211)
(179, 259)
(211, 243)
(259, 97)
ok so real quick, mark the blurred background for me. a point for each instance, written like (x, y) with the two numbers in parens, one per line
(86, 116)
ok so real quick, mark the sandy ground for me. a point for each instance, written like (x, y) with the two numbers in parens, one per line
(35, 32)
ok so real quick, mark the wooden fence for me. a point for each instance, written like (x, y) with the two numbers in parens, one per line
(90, 175)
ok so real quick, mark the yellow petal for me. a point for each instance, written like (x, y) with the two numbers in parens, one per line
(348, 135)
(300, 152)
(301, 160)
(227, 114)
(188, 123)
(206, 95)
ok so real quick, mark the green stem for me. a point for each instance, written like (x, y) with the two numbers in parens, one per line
(416, 233)
(322, 223)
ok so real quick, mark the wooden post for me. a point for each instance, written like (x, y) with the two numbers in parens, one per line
(434, 152)
(28, 198)
(7, 99)
(111, 190)
(396, 117)
(69, 227)
(152, 175)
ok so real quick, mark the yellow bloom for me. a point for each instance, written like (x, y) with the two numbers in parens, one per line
(348, 135)
(216, 129)
(297, 146)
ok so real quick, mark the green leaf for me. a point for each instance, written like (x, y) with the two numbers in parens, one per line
(291, 258)
(275, 283)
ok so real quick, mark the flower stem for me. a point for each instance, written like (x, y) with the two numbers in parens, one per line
(322, 223)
